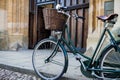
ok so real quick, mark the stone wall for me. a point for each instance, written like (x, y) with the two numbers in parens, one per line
(14, 16)
(116, 29)
(96, 26)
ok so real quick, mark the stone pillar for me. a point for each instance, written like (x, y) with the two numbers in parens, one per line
(95, 26)
(116, 29)
(18, 24)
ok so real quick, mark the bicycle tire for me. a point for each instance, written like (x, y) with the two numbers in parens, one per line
(110, 59)
(49, 66)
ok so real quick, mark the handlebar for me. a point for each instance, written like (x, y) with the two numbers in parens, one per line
(59, 7)
(77, 17)
(64, 9)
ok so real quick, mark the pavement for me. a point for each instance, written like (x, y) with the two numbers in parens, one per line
(12, 75)
(21, 61)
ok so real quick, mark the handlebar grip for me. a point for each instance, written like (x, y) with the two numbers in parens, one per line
(63, 8)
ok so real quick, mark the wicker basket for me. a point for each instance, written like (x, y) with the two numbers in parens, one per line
(54, 20)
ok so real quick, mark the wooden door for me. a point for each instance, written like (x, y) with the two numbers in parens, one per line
(41, 31)
(78, 29)
(36, 24)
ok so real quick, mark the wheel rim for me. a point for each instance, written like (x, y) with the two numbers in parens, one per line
(111, 57)
(54, 67)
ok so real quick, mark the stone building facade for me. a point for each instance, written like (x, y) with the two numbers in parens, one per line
(98, 8)
(14, 22)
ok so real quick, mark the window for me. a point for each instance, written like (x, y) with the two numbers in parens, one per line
(109, 7)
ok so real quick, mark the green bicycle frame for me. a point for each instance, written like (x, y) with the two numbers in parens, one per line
(91, 61)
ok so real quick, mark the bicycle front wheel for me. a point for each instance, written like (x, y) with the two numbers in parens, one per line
(49, 60)
(110, 61)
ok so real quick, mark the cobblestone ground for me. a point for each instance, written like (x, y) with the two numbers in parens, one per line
(11, 75)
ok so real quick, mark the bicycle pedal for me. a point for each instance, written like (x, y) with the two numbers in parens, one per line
(78, 58)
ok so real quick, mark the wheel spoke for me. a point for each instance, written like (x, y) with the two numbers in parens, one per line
(56, 62)
(110, 63)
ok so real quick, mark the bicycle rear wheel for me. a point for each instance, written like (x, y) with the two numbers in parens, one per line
(110, 60)
(49, 60)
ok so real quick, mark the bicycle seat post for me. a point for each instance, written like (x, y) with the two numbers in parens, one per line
(106, 24)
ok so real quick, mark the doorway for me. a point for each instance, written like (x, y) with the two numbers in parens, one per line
(37, 30)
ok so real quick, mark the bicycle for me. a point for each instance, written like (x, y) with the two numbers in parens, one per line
(51, 53)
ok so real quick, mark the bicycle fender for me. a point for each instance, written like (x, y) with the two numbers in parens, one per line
(110, 45)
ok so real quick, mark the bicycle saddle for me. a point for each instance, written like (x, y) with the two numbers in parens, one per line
(107, 18)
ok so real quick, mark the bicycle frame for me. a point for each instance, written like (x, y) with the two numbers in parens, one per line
(91, 61)
(100, 65)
